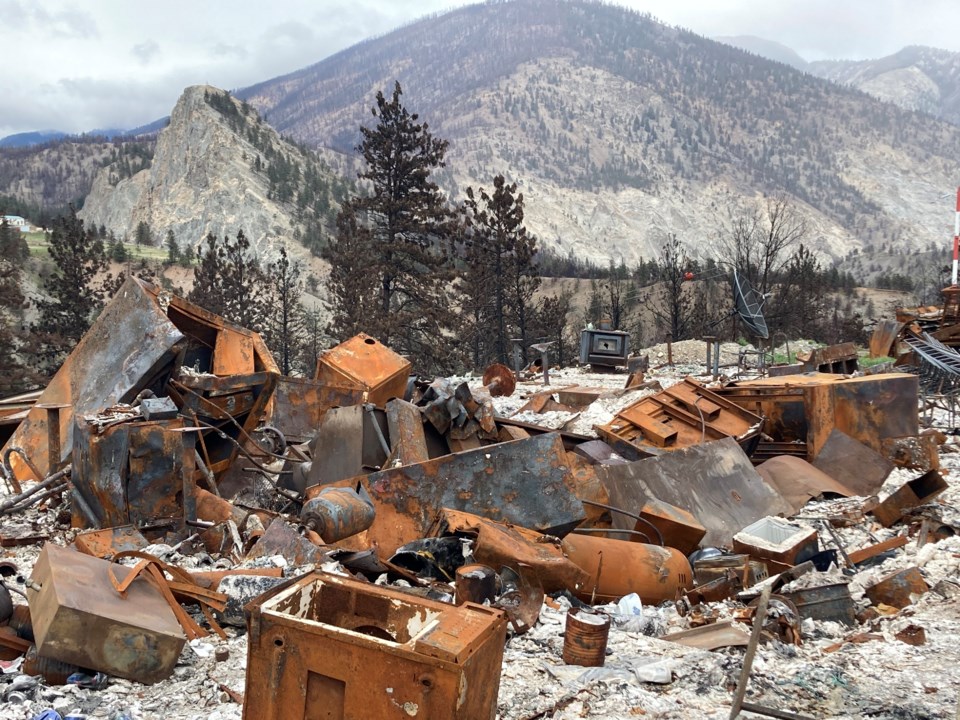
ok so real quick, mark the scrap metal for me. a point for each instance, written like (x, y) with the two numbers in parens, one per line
(367, 365)
(522, 482)
(311, 642)
(715, 482)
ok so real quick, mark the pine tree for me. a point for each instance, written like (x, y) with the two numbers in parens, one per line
(229, 281)
(173, 249)
(284, 328)
(407, 224)
(74, 292)
(500, 277)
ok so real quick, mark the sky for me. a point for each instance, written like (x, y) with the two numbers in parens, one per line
(95, 64)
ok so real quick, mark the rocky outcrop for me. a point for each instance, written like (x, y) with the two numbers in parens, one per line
(204, 178)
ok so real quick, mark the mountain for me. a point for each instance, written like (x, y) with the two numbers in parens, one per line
(766, 48)
(621, 130)
(26, 139)
(916, 78)
(219, 168)
(58, 172)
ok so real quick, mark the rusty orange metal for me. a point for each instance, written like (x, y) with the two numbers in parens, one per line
(79, 618)
(883, 341)
(233, 353)
(365, 363)
(109, 542)
(500, 545)
(299, 405)
(333, 647)
(136, 344)
(918, 491)
(132, 473)
(898, 589)
(521, 482)
(585, 485)
(407, 437)
(681, 416)
(617, 568)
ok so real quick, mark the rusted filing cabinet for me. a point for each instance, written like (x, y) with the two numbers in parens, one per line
(333, 648)
(365, 363)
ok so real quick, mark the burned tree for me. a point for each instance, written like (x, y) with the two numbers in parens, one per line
(403, 244)
(229, 281)
(673, 307)
(284, 327)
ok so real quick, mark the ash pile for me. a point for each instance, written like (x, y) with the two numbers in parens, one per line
(188, 534)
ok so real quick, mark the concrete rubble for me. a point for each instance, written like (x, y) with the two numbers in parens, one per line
(187, 534)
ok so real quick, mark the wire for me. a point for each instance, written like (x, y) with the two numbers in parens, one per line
(629, 514)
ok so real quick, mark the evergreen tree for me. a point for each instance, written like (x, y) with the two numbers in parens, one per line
(284, 329)
(173, 249)
(74, 292)
(13, 245)
(406, 238)
(143, 236)
(16, 378)
(229, 281)
(500, 276)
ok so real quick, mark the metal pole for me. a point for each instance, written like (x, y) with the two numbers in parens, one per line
(716, 358)
(708, 339)
(956, 240)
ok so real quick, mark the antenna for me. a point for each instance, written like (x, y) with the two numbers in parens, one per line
(749, 306)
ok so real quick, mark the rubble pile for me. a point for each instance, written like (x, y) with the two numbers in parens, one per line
(188, 534)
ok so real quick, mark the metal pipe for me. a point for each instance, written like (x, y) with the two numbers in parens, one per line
(646, 522)
(53, 479)
(369, 409)
(581, 530)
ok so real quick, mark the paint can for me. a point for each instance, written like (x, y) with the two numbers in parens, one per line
(585, 639)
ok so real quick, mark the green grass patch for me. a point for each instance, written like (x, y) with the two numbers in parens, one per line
(868, 362)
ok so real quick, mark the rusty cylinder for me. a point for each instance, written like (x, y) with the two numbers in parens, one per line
(619, 567)
(585, 638)
(337, 513)
(476, 584)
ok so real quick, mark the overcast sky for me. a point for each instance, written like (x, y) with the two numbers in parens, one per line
(76, 66)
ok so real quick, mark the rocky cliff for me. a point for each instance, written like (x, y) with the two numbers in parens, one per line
(217, 168)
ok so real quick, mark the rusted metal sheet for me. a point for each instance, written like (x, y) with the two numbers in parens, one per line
(133, 473)
(281, 539)
(798, 481)
(883, 341)
(918, 491)
(107, 543)
(407, 439)
(855, 466)
(918, 453)
(78, 617)
(869, 409)
(233, 353)
(617, 568)
(678, 528)
(331, 647)
(522, 482)
(365, 363)
(300, 404)
(681, 416)
(131, 340)
(500, 545)
(841, 359)
(585, 485)
(870, 551)
(898, 589)
(715, 482)
(337, 449)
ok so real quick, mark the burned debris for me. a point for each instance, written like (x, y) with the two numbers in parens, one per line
(175, 503)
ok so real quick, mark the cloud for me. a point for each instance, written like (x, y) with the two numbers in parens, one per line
(69, 23)
(145, 51)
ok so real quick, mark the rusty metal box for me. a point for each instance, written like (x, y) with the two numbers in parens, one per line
(365, 363)
(332, 647)
(79, 618)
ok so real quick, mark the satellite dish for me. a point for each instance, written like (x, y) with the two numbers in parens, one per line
(749, 306)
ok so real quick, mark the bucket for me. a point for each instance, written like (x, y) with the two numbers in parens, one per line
(585, 640)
